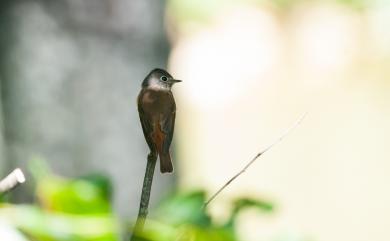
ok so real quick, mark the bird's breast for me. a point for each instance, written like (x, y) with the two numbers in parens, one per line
(157, 101)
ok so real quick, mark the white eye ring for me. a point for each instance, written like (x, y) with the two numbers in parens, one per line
(163, 78)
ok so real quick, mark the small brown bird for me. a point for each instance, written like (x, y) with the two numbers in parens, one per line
(157, 111)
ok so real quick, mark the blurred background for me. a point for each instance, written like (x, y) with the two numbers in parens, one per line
(70, 71)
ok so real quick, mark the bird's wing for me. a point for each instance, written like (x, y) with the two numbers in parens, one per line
(168, 126)
(147, 127)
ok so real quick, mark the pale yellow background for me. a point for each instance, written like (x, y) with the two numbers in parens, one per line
(249, 73)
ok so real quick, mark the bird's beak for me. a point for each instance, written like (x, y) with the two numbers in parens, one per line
(175, 81)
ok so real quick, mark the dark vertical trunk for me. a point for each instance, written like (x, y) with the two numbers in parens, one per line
(70, 73)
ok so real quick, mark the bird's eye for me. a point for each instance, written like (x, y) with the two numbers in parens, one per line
(164, 78)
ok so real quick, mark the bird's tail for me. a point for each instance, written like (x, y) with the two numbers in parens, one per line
(165, 163)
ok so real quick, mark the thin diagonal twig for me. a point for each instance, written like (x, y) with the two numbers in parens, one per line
(280, 138)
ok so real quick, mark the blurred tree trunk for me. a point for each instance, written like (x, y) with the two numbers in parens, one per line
(70, 73)
(6, 39)
(3, 164)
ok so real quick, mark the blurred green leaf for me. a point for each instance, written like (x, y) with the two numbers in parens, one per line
(156, 231)
(184, 218)
(72, 196)
(184, 208)
(243, 203)
(205, 234)
(43, 225)
(86, 195)
(102, 183)
(248, 202)
(79, 210)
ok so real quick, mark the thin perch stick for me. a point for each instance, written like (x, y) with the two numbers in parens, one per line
(280, 138)
(145, 196)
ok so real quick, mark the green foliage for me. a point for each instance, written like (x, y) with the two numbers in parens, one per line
(86, 195)
(79, 210)
(184, 208)
(68, 209)
(247, 202)
(79, 196)
(182, 217)
(49, 226)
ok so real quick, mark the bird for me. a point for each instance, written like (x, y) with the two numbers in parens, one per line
(157, 113)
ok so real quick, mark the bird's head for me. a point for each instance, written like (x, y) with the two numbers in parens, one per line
(159, 79)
